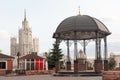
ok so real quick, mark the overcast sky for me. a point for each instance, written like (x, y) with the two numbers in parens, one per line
(45, 15)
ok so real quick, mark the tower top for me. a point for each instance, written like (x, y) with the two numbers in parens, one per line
(25, 22)
(24, 14)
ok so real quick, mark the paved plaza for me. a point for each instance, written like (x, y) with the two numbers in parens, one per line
(48, 77)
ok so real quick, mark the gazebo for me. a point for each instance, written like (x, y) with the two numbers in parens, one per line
(84, 28)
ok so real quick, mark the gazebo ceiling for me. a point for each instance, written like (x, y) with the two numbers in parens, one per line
(80, 27)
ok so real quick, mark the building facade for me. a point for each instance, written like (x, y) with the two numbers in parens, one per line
(26, 43)
(117, 59)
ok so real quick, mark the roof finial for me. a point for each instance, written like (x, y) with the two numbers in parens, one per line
(24, 14)
(79, 10)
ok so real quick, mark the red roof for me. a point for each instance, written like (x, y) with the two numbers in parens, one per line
(5, 56)
(31, 56)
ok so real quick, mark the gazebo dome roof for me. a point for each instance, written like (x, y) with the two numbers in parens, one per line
(84, 26)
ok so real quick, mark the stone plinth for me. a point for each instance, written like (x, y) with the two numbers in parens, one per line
(98, 65)
(106, 66)
(68, 65)
(75, 66)
(82, 65)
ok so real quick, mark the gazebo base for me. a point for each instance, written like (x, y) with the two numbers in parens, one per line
(75, 66)
(68, 64)
(106, 65)
(79, 73)
(98, 65)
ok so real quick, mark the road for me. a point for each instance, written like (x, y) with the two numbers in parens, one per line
(48, 77)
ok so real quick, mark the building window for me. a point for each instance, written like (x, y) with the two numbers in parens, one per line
(2, 65)
(32, 64)
(28, 64)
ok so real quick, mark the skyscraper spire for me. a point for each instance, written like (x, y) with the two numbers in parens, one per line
(24, 14)
(25, 22)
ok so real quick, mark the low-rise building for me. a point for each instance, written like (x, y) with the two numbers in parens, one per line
(6, 64)
(31, 62)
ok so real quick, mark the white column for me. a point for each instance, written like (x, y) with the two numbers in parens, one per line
(30, 63)
(25, 64)
(39, 63)
(6, 64)
(34, 64)
(46, 63)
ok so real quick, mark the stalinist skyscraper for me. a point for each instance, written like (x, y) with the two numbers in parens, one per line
(26, 43)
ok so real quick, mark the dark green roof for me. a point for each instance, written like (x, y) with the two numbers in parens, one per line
(80, 24)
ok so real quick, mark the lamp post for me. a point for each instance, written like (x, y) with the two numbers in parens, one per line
(18, 55)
